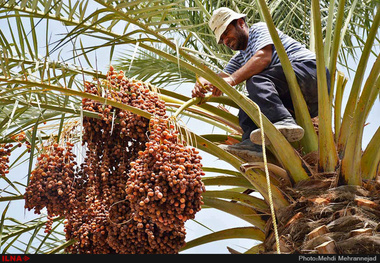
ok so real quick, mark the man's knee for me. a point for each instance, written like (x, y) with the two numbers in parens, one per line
(259, 86)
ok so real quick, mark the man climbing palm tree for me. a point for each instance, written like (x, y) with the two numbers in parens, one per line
(258, 64)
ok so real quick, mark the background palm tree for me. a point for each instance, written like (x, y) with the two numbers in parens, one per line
(170, 43)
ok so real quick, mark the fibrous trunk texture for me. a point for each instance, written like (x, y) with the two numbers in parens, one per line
(325, 218)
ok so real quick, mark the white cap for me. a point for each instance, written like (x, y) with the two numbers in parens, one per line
(220, 19)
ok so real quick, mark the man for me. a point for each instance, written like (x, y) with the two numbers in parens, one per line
(258, 64)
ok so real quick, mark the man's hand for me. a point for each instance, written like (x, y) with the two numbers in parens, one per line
(202, 86)
(217, 92)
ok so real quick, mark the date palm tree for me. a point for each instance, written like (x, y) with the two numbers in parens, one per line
(319, 196)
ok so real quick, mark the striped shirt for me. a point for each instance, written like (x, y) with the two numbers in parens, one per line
(259, 37)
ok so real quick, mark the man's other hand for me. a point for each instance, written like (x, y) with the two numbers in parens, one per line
(202, 86)
(216, 92)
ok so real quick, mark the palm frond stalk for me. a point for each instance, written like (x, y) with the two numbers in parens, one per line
(357, 83)
(328, 157)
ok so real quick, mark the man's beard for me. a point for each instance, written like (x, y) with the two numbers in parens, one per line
(241, 41)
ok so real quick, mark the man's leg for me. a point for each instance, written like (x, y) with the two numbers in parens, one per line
(246, 124)
(264, 90)
(271, 92)
(306, 72)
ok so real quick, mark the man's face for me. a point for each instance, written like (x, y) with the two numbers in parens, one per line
(235, 37)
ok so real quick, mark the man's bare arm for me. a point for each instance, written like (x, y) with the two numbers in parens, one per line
(256, 64)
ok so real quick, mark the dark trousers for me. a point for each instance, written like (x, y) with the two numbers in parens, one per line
(270, 91)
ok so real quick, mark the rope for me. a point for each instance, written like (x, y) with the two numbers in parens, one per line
(268, 182)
